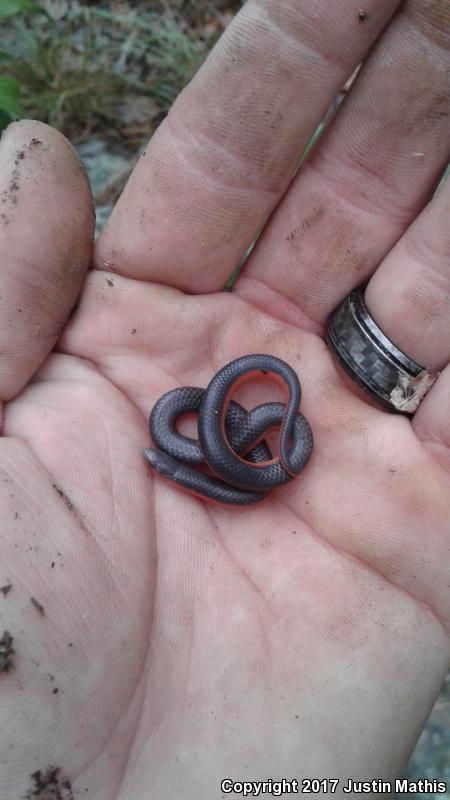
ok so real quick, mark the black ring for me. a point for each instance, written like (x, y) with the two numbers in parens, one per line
(370, 358)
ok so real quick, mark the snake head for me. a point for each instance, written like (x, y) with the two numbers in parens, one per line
(161, 462)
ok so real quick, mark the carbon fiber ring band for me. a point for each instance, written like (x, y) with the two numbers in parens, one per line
(373, 360)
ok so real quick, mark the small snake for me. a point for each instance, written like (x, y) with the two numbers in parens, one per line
(231, 439)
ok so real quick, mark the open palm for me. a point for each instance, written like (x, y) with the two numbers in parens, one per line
(162, 643)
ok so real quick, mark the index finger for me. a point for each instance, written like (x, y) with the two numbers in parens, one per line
(220, 162)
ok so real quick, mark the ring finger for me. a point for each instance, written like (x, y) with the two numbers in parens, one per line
(408, 306)
(409, 294)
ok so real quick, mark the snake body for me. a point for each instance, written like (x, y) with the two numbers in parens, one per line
(231, 439)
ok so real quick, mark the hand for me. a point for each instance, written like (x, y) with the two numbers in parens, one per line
(171, 643)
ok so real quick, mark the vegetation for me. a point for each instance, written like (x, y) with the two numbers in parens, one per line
(110, 67)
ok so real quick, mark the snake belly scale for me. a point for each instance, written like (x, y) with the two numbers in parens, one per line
(230, 438)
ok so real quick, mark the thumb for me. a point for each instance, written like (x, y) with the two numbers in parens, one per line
(46, 235)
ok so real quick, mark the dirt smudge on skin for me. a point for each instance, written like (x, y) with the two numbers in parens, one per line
(306, 224)
(10, 195)
(6, 652)
(49, 784)
(66, 500)
(38, 606)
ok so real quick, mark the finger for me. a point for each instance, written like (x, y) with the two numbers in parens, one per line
(409, 294)
(46, 233)
(368, 178)
(409, 297)
(225, 155)
(430, 422)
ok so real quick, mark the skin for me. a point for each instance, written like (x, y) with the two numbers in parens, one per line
(307, 637)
